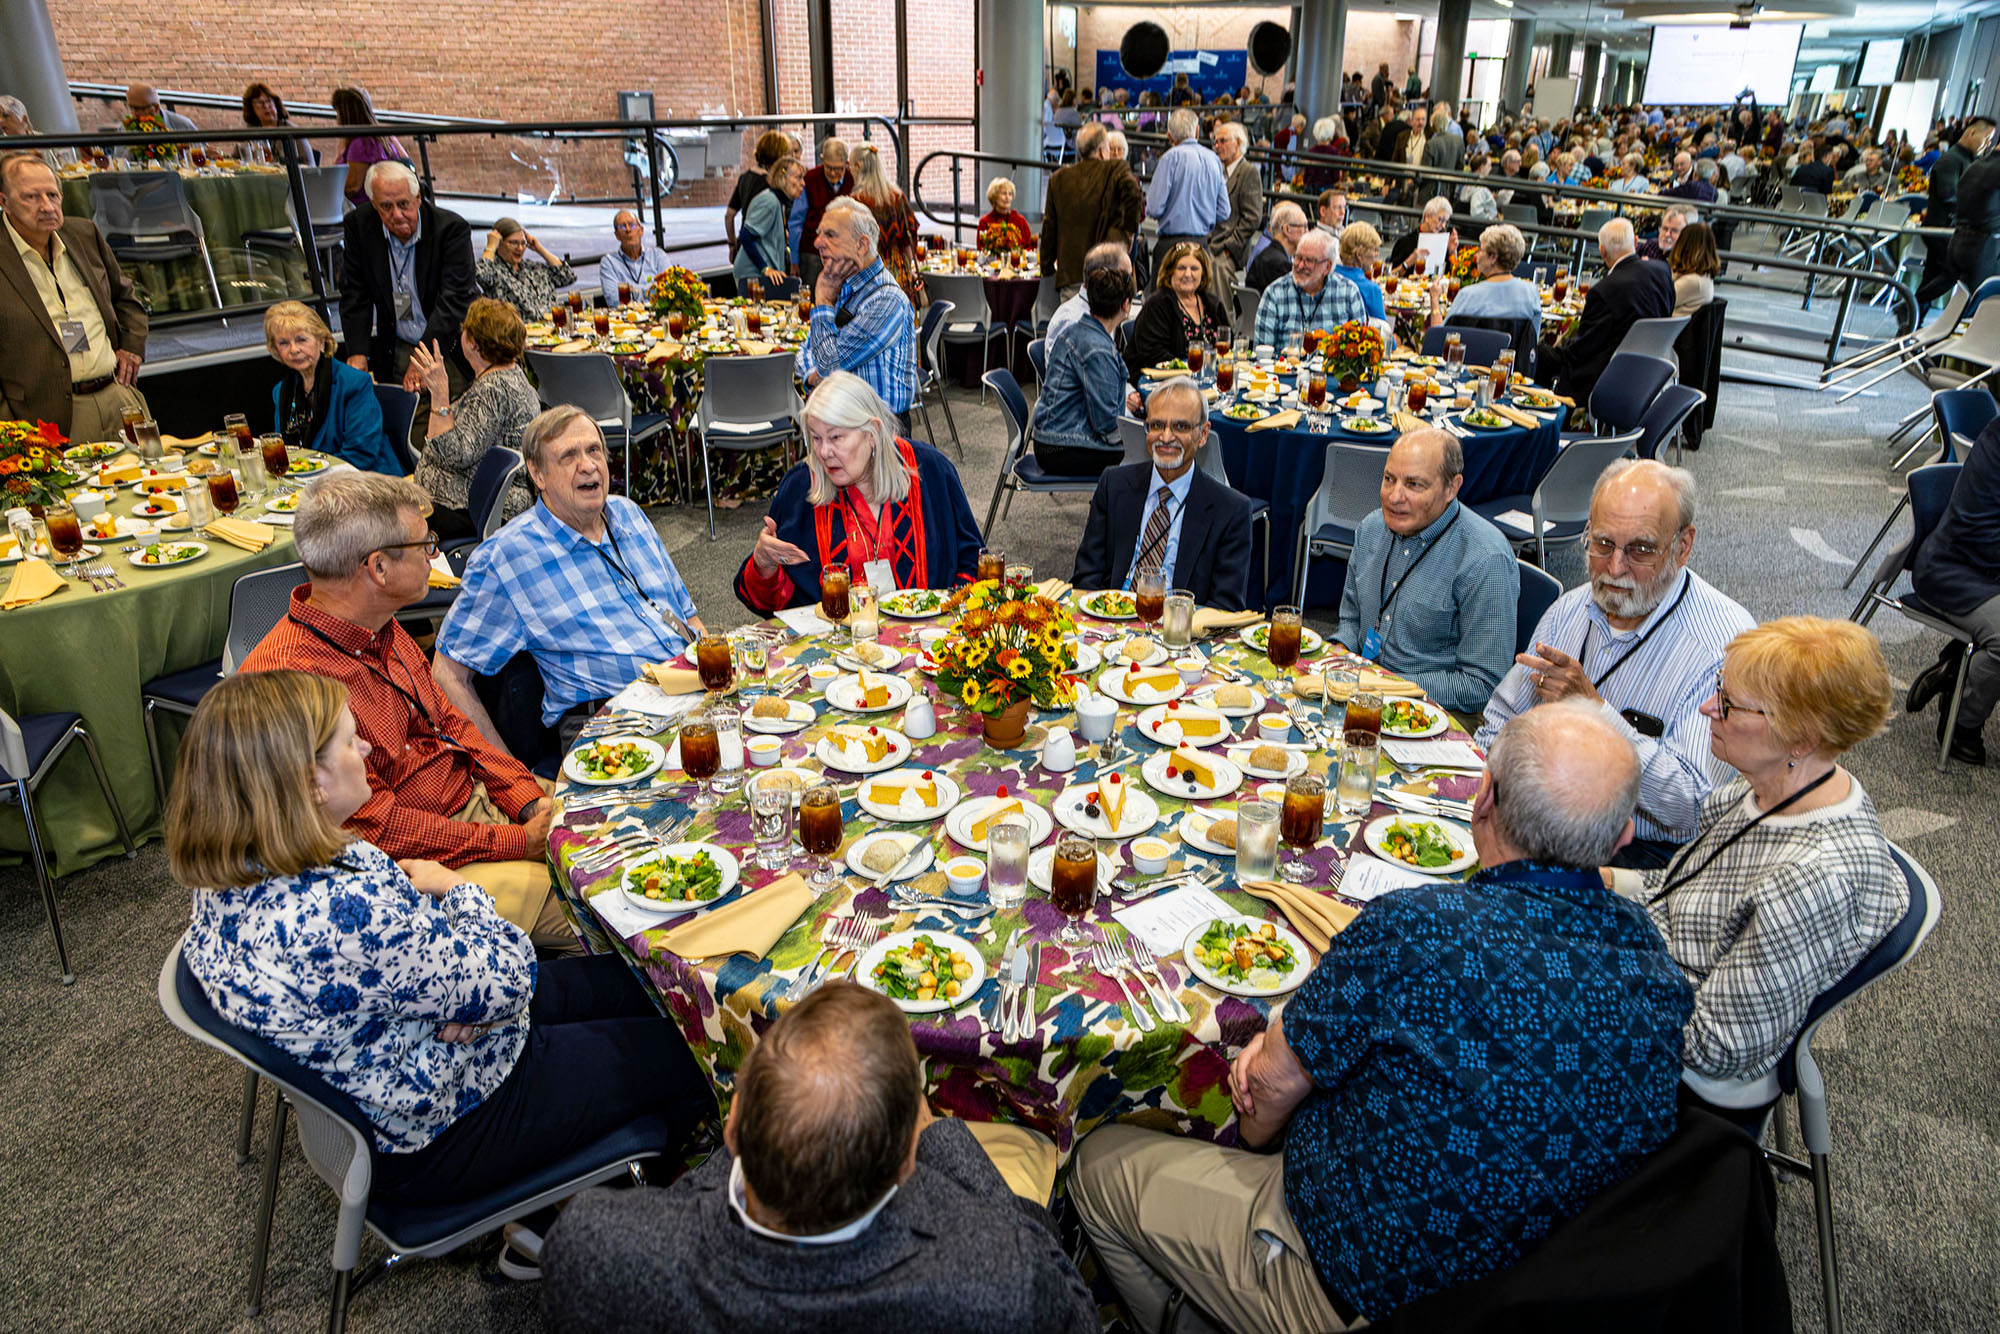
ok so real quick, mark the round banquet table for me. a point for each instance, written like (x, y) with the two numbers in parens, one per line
(1285, 467)
(229, 203)
(1085, 1061)
(86, 652)
(1010, 300)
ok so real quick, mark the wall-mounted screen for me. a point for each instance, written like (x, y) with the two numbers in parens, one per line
(1880, 61)
(1710, 64)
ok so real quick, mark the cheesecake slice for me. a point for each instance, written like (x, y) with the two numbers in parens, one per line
(1192, 762)
(871, 743)
(874, 691)
(1006, 806)
(1196, 724)
(1156, 680)
(891, 794)
(1111, 795)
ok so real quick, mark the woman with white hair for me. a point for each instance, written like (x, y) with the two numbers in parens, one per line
(863, 495)
(1329, 140)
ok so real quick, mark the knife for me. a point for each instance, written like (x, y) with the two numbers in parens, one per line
(902, 865)
(1004, 976)
(1029, 972)
(1017, 974)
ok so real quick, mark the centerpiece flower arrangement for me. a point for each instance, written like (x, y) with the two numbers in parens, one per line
(1464, 266)
(146, 122)
(32, 471)
(1912, 177)
(1011, 647)
(678, 290)
(1353, 354)
(998, 238)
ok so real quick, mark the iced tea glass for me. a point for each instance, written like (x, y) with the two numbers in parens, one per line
(1299, 823)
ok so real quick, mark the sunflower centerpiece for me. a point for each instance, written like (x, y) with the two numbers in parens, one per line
(1011, 648)
(1353, 354)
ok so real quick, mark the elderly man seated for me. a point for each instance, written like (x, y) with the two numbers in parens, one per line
(1641, 642)
(861, 321)
(1311, 296)
(1465, 1067)
(1631, 290)
(636, 261)
(1272, 259)
(1673, 221)
(1431, 587)
(581, 581)
(439, 790)
(1405, 257)
(841, 1203)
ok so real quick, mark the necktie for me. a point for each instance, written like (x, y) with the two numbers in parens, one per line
(1153, 550)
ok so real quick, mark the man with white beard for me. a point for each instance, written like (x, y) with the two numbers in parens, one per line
(1643, 641)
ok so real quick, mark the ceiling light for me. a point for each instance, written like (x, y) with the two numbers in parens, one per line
(1720, 11)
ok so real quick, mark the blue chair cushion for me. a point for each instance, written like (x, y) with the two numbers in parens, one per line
(1035, 479)
(1258, 508)
(42, 732)
(1337, 533)
(185, 689)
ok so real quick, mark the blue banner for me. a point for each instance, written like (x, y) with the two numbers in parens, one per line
(1210, 73)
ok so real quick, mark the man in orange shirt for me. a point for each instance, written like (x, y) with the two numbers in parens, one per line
(442, 791)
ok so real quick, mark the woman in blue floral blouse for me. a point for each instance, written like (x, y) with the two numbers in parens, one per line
(398, 983)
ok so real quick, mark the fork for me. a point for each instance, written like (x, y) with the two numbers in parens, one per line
(1143, 958)
(111, 573)
(853, 934)
(1101, 954)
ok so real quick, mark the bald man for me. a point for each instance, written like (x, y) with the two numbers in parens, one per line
(1431, 587)
(1632, 289)
(144, 99)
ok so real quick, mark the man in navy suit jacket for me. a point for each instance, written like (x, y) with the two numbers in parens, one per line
(1633, 289)
(1204, 544)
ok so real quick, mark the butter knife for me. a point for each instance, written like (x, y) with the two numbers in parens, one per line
(902, 865)
(1017, 973)
(1024, 1025)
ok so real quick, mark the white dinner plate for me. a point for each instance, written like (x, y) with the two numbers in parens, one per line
(1111, 682)
(1194, 832)
(1097, 604)
(864, 971)
(800, 716)
(1154, 771)
(1279, 984)
(1161, 723)
(905, 845)
(656, 760)
(1088, 659)
(1239, 755)
(725, 862)
(834, 756)
(137, 558)
(1310, 640)
(971, 811)
(1435, 719)
(948, 793)
(913, 604)
(856, 656)
(1151, 651)
(1376, 831)
(90, 551)
(844, 693)
(1141, 812)
(152, 509)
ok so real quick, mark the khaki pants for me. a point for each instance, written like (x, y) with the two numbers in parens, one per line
(101, 416)
(1026, 1161)
(520, 890)
(1166, 1212)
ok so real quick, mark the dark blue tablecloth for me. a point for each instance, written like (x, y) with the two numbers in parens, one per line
(1285, 468)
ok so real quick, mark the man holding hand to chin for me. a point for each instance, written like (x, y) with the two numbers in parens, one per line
(861, 320)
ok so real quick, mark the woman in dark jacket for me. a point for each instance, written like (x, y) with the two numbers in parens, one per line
(322, 402)
(1180, 311)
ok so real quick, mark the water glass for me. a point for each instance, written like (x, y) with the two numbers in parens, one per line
(1007, 863)
(771, 818)
(753, 657)
(1177, 623)
(729, 741)
(864, 617)
(200, 510)
(147, 432)
(1358, 760)
(1256, 841)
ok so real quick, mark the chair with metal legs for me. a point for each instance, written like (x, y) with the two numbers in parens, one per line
(930, 357)
(30, 748)
(1959, 415)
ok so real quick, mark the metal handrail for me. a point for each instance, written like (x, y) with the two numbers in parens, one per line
(169, 98)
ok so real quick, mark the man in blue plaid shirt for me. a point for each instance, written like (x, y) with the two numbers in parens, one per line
(581, 581)
(861, 320)
(1311, 296)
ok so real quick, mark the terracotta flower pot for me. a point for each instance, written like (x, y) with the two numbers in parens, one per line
(1005, 730)
(1349, 383)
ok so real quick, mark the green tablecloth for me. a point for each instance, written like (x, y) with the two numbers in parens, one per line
(88, 653)
(228, 205)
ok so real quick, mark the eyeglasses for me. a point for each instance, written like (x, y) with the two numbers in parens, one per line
(1726, 706)
(1639, 554)
(1163, 426)
(429, 544)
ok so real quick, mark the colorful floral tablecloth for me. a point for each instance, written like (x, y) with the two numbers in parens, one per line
(1086, 1061)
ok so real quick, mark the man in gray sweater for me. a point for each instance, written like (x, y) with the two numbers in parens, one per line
(841, 1204)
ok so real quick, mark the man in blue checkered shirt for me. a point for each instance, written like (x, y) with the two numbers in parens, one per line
(581, 581)
(1311, 296)
(861, 320)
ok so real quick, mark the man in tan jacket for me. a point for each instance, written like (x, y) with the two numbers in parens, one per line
(74, 332)
(1093, 199)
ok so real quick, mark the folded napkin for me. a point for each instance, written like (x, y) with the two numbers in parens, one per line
(1208, 620)
(192, 442)
(441, 575)
(1313, 684)
(1313, 915)
(1407, 421)
(1162, 373)
(666, 350)
(751, 925)
(672, 680)
(758, 348)
(244, 533)
(1278, 420)
(33, 580)
(574, 345)
(1518, 417)
(1053, 588)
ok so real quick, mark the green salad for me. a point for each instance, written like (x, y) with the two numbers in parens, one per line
(1111, 602)
(921, 970)
(613, 759)
(1248, 412)
(1405, 716)
(1419, 843)
(1485, 417)
(1243, 953)
(913, 602)
(670, 879)
(166, 553)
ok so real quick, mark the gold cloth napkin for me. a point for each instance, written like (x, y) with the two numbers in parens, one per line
(758, 348)
(33, 580)
(673, 680)
(244, 533)
(751, 925)
(574, 345)
(192, 442)
(1518, 417)
(441, 575)
(1277, 421)
(1407, 421)
(1312, 684)
(1313, 915)
(1209, 620)
(1053, 588)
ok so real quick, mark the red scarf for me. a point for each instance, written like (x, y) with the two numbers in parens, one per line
(899, 530)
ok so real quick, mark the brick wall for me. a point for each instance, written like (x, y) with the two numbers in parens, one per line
(1374, 38)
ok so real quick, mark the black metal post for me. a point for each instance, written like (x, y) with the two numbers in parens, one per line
(302, 212)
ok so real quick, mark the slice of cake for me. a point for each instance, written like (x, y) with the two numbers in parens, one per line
(869, 742)
(1157, 679)
(924, 788)
(1111, 794)
(1192, 762)
(1196, 723)
(874, 691)
(1002, 808)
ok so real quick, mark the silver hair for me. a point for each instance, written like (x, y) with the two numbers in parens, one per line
(833, 147)
(861, 219)
(1284, 212)
(13, 106)
(1678, 480)
(386, 168)
(1685, 212)
(1437, 206)
(347, 516)
(1614, 238)
(1324, 243)
(1325, 130)
(1182, 125)
(549, 426)
(1557, 809)
(845, 402)
(1090, 139)
(1706, 169)
(1230, 129)
(1118, 144)
(1505, 243)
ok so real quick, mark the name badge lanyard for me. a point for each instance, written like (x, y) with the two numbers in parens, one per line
(1583, 654)
(69, 331)
(673, 623)
(852, 520)
(449, 741)
(1385, 594)
(1677, 881)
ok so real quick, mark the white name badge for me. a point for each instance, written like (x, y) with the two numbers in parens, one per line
(880, 577)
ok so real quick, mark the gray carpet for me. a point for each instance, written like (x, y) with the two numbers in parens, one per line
(127, 1212)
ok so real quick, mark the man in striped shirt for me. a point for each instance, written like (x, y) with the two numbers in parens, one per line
(1642, 641)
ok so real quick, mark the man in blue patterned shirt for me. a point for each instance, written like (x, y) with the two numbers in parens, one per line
(1311, 296)
(1466, 1066)
(581, 581)
(861, 321)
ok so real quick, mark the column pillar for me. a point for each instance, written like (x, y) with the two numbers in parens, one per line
(1010, 96)
(31, 66)
(1586, 86)
(1316, 50)
(1448, 53)
(1520, 51)
(1560, 46)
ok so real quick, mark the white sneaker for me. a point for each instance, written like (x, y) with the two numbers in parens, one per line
(521, 1257)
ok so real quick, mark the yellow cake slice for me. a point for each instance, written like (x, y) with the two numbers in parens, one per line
(114, 475)
(891, 794)
(874, 745)
(1195, 724)
(1111, 795)
(1190, 761)
(874, 691)
(1002, 808)
(1157, 680)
